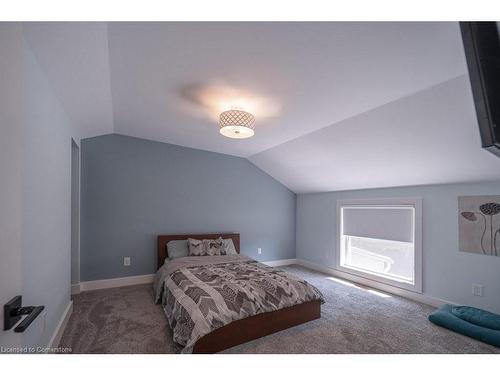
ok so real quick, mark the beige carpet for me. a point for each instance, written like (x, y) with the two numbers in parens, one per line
(354, 320)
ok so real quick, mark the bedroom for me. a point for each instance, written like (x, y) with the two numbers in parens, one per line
(248, 187)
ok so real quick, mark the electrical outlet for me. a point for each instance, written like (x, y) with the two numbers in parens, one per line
(126, 261)
(477, 290)
(259, 250)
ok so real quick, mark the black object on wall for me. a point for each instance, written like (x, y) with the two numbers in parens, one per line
(13, 311)
(482, 51)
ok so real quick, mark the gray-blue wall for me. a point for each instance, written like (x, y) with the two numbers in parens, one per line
(35, 187)
(46, 256)
(11, 165)
(134, 189)
(447, 273)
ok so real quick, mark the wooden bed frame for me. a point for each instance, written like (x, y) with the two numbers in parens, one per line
(247, 329)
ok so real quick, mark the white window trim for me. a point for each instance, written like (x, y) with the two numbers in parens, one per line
(416, 202)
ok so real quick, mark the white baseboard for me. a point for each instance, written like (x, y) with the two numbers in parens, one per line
(418, 297)
(280, 262)
(85, 286)
(75, 289)
(61, 325)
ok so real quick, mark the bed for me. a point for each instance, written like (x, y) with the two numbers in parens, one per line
(269, 300)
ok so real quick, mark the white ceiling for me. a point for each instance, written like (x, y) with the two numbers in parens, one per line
(321, 72)
(427, 138)
(338, 105)
(75, 57)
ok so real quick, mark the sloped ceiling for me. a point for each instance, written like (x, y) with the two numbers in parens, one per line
(75, 57)
(430, 137)
(338, 105)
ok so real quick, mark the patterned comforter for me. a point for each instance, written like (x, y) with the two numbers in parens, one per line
(201, 294)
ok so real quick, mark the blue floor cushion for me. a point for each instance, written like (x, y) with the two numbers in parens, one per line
(469, 321)
(478, 317)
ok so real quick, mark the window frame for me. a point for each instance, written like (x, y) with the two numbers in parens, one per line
(416, 202)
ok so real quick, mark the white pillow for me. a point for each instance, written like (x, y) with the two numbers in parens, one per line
(227, 247)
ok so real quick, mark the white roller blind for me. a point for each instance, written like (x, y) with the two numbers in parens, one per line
(382, 222)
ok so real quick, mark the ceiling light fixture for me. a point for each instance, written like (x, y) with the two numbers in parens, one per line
(236, 123)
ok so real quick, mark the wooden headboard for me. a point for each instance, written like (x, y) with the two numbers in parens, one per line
(163, 239)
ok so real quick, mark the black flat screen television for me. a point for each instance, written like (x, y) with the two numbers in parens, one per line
(482, 51)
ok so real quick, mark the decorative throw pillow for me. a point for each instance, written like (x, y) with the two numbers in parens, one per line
(212, 247)
(204, 247)
(227, 246)
(196, 247)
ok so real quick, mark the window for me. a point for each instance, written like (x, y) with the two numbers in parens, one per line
(381, 241)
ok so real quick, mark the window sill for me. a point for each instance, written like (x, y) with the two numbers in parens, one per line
(379, 281)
